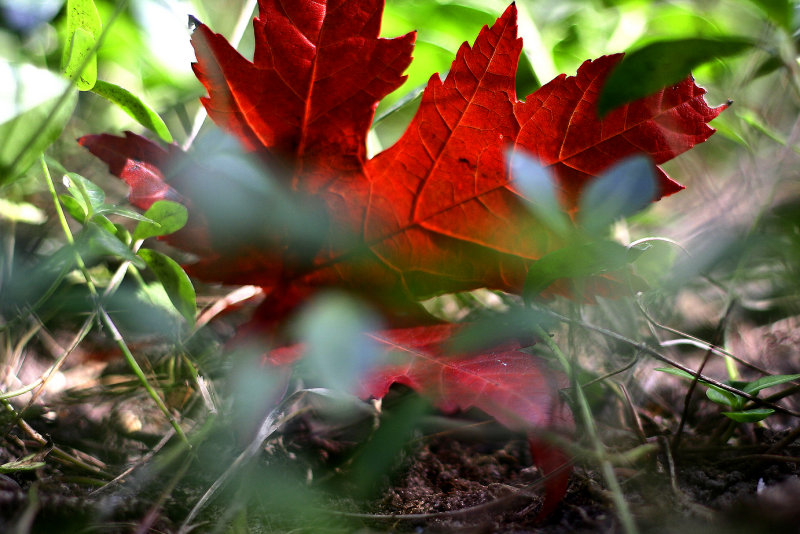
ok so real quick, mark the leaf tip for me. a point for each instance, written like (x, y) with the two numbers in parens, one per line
(193, 23)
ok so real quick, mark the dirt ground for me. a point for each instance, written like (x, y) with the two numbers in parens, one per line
(108, 464)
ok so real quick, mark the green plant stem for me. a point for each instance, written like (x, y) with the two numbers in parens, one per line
(105, 319)
(65, 227)
(137, 370)
(623, 510)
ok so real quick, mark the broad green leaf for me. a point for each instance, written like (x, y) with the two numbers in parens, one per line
(626, 188)
(176, 283)
(768, 381)
(101, 241)
(662, 63)
(103, 222)
(166, 216)
(577, 261)
(90, 195)
(81, 63)
(123, 234)
(750, 416)
(720, 396)
(76, 208)
(32, 115)
(134, 107)
(536, 183)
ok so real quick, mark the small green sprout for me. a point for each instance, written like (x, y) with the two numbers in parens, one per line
(736, 402)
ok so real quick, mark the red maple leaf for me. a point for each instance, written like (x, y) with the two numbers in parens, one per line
(437, 212)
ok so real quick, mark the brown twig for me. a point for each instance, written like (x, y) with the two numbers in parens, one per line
(723, 323)
(644, 347)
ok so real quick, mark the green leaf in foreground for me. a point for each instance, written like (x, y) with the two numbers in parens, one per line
(166, 216)
(21, 212)
(102, 242)
(536, 183)
(577, 261)
(626, 188)
(779, 11)
(35, 104)
(133, 106)
(750, 416)
(662, 63)
(176, 283)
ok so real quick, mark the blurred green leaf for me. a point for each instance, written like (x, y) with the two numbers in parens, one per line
(752, 119)
(749, 416)
(166, 216)
(490, 332)
(100, 241)
(133, 106)
(527, 81)
(22, 212)
(176, 283)
(375, 458)
(338, 351)
(576, 261)
(32, 115)
(536, 183)
(626, 188)
(779, 11)
(662, 63)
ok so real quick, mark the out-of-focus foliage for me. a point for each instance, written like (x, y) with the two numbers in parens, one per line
(738, 218)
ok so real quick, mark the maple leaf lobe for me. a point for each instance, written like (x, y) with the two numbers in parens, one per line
(318, 74)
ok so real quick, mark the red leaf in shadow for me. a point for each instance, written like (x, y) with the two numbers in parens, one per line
(516, 388)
